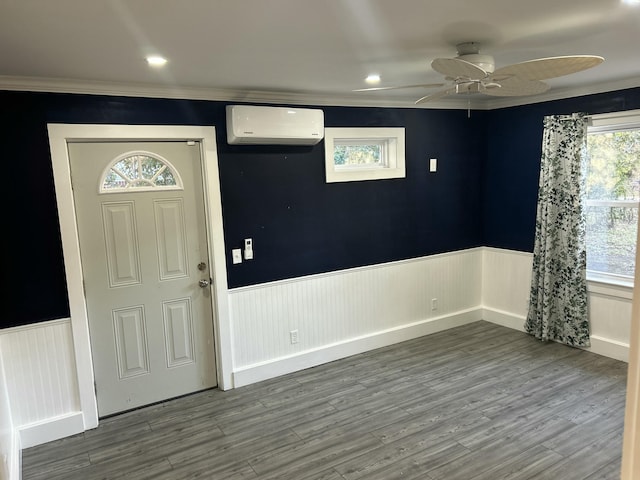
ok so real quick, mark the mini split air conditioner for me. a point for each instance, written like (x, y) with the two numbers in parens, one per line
(250, 125)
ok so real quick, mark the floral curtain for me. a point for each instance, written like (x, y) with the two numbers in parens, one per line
(558, 296)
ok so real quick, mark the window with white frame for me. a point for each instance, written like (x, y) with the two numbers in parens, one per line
(374, 153)
(612, 196)
(139, 171)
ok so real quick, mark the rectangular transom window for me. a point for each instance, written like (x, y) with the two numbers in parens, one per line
(353, 154)
(612, 195)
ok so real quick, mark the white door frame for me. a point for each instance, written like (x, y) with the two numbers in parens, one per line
(631, 442)
(59, 135)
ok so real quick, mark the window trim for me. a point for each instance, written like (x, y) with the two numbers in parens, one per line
(392, 139)
(602, 123)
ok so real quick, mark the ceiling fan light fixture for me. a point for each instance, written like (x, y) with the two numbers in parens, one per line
(156, 61)
(372, 79)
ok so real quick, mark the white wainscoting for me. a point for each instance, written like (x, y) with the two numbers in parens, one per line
(506, 279)
(41, 380)
(9, 439)
(336, 315)
(347, 312)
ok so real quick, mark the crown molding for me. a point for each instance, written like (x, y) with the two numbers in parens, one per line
(494, 103)
(87, 87)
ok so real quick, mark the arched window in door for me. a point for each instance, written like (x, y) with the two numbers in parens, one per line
(139, 171)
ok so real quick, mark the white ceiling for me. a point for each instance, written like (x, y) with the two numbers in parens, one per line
(304, 51)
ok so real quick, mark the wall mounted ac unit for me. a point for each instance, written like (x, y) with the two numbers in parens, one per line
(250, 125)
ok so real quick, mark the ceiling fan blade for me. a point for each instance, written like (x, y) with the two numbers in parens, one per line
(544, 68)
(425, 85)
(455, 68)
(436, 95)
(516, 87)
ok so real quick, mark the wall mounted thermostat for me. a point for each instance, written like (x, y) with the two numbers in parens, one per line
(248, 249)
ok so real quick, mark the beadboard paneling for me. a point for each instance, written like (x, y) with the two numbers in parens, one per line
(7, 446)
(330, 308)
(610, 310)
(506, 280)
(40, 371)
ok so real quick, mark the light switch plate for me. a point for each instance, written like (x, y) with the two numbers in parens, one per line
(433, 164)
(236, 254)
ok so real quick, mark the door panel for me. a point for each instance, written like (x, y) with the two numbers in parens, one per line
(171, 235)
(132, 354)
(121, 242)
(144, 251)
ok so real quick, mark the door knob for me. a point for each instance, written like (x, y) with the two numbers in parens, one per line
(204, 283)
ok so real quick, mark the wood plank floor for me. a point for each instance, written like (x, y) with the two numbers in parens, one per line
(475, 402)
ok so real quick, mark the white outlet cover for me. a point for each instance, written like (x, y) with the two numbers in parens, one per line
(236, 255)
(433, 164)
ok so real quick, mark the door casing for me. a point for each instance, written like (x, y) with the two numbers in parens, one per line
(59, 135)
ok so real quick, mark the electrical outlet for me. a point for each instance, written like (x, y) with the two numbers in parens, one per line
(236, 255)
(434, 304)
(293, 335)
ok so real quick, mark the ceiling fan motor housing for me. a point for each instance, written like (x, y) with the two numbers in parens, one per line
(470, 52)
(485, 62)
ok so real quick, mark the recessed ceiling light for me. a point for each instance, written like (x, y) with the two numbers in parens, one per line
(373, 78)
(156, 60)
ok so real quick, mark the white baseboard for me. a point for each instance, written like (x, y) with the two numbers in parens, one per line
(328, 353)
(600, 345)
(609, 348)
(51, 429)
(506, 319)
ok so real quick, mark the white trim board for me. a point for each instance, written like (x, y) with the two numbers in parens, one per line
(51, 429)
(630, 469)
(334, 273)
(59, 135)
(599, 345)
(57, 85)
(328, 353)
(15, 461)
(33, 326)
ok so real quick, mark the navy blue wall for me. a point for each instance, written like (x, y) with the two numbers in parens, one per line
(514, 148)
(276, 195)
(484, 192)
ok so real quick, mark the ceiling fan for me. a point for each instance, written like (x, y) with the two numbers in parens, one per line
(473, 72)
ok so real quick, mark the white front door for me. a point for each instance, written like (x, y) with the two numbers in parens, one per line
(143, 244)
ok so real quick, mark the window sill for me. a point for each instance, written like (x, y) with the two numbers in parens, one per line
(611, 287)
(391, 141)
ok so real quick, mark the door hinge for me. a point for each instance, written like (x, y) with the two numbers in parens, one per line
(95, 388)
(84, 287)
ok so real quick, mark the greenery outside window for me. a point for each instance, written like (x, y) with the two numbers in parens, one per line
(612, 196)
(139, 171)
(353, 154)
